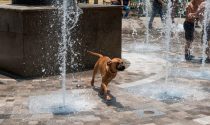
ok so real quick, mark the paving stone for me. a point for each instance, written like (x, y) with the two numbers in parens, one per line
(41, 116)
(187, 107)
(150, 124)
(91, 123)
(60, 121)
(5, 116)
(105, 123)
(166, 120)
(175, 124)
(85, 118)
(203, 121)
(78, 123)
(1, 111)
(189, 118)
(20, 116)
(2, 103)
(200, 116)
(33, 122)
(1, 120)
(10, 99)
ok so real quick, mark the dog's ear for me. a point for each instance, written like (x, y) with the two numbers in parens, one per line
(109, 62)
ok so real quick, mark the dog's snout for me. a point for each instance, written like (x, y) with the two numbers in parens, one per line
(121, 67)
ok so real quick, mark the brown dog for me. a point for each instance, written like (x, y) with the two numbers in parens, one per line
(108, 69)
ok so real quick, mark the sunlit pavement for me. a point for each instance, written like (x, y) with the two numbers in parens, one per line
(142, 94)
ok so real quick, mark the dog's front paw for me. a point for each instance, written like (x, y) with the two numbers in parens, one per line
(108, 98)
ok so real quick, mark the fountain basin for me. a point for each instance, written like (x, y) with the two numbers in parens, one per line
(30, 38)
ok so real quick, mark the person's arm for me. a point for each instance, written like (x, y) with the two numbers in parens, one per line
(189, 13)
(200, 11)
(201, 8)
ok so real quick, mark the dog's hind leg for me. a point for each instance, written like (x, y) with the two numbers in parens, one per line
(95, 70)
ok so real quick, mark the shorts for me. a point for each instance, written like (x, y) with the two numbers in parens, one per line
(189, 30)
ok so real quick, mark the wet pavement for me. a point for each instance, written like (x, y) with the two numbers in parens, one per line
(153, 90)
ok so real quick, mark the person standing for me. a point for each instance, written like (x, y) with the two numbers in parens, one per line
(189, 26)
(126, 8)
(157, 8)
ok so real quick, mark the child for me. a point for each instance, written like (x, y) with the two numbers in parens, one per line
(189, 26)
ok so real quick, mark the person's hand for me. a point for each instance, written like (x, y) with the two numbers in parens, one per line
(200, 16)
(191, 16)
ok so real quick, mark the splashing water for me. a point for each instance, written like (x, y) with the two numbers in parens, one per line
(167, 31)
(134, 32)
(205, 23)
(76, 101)
(147, 2)
(146, 12)
(70, 14)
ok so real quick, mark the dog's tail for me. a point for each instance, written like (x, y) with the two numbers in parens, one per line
(95, 54)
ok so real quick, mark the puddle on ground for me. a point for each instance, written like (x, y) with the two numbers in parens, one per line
(169, 93)
(191, 73)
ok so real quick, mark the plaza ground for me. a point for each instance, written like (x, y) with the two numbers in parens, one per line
(142, 94)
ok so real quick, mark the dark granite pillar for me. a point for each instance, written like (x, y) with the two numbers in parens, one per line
(30, 35)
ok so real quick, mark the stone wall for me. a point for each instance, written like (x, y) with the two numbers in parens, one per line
(30, 37)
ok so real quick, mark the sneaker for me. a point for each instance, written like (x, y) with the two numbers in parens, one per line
(189, 57)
